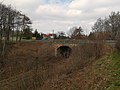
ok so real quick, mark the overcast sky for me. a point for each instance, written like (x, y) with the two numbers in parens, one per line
(61, 15)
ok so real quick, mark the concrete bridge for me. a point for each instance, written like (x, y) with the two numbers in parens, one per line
(63, 50)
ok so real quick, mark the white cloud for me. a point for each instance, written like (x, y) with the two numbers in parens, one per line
(61, 14)
(22, 3)
(100, 10)
(73, 13)
(57, 11)
(76, 4)
(49, 10)
(48, 26)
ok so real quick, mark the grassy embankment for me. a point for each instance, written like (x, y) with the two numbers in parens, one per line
(81, 71)
(114, 67)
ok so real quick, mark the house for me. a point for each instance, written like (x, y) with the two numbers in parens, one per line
(52, 35)
(48, 36)
(45, 36)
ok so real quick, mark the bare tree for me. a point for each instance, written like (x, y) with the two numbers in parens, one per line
(109, 25)
(75, 32)
(114, 23)
(61, 35)
(12, 23)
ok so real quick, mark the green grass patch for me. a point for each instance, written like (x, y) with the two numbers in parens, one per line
(114, 68)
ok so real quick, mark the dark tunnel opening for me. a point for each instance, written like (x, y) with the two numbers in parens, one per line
(64, 51)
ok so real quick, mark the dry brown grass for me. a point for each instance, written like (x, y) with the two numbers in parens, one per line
(43, 71)
(78, 72)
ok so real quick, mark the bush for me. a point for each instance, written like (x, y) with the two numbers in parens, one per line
(118, 44)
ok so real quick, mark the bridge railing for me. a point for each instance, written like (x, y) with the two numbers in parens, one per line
(82, 42)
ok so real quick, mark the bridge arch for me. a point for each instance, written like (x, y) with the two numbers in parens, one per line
(63, 51)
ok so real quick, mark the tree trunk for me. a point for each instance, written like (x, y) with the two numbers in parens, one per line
(4, 43)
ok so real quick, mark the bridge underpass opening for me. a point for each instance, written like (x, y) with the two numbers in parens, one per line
(64, 51)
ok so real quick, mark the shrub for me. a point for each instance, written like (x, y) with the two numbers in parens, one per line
(118, 44)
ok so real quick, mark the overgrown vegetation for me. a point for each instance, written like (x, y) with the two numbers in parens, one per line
(32, 65)
(39, 68)
(118, 43)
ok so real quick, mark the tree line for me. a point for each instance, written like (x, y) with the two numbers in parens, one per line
(12, 25)
(108, 27)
